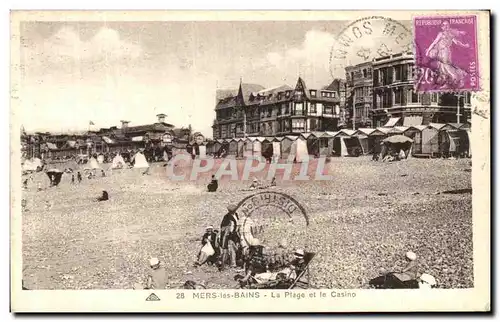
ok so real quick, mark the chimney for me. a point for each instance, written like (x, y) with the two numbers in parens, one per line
(161, 118)
(125, 124)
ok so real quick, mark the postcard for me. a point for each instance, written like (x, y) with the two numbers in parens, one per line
(250, 161)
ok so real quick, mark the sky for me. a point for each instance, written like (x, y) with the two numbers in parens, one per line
(76, 72)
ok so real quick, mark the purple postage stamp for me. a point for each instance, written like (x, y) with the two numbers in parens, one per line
(446, 53)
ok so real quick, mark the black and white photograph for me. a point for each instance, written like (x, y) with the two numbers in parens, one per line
(235, 156)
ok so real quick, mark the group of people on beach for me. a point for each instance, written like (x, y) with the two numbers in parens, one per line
(235, 246)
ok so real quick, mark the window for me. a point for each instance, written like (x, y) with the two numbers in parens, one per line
(313, 108)
(398, 94)
(287, 94)
(299, 109)
(298, 125)
(313, 124)
(328, 109)
(414, 97)
(279, 96)
(352, 76)
(364, 73)
(313, 93)
(379, 101)
(434, 98)
(397, 73)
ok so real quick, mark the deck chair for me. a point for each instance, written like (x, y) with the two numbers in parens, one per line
(302, 280)
(303, 277)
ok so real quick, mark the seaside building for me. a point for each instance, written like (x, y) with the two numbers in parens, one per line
(253, 110)
(383, 94)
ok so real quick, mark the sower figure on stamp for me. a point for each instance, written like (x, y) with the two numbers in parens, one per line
(440, 50)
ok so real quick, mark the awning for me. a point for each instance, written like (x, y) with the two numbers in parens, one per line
(437, 126)
(412, 120)
(392, 122)
(51, 146)
(137, 138)
(107, 140)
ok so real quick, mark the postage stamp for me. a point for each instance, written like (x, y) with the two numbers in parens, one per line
(207, 161)
(446, 53)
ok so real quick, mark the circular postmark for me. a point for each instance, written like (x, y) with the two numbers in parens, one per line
(270, 215)
(366, 39)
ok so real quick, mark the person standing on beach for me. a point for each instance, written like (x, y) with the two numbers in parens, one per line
(79, 176)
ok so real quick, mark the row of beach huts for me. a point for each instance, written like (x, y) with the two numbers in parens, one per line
(433, 140)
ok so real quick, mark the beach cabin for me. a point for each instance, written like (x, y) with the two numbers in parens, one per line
(286, 145)
(429, 142)
(370, 140)
(276, 142)
(241, 147)
(312, 142)
(233, 146)
(299, 150)
(346, 144)
(325, 143)
(327, 140)
(267, 148)
(454, 143)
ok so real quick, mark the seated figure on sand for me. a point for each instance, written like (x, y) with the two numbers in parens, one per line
(209, 251)
(157, 277)
(213, 185)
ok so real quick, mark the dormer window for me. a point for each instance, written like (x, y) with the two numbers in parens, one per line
(313, 93)
(279, 96)
(287, 94)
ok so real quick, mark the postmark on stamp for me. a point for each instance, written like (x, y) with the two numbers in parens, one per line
(366, 39)
(446, 53)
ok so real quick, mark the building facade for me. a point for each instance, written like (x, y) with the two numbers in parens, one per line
(105, 140)
(359, 80)
(256, 111)
(396, 100)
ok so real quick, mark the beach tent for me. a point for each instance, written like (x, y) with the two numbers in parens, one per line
(118, 162)
(34, 164)
(299, 150)
(93, 163)
(140, 160)
(100, 159)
